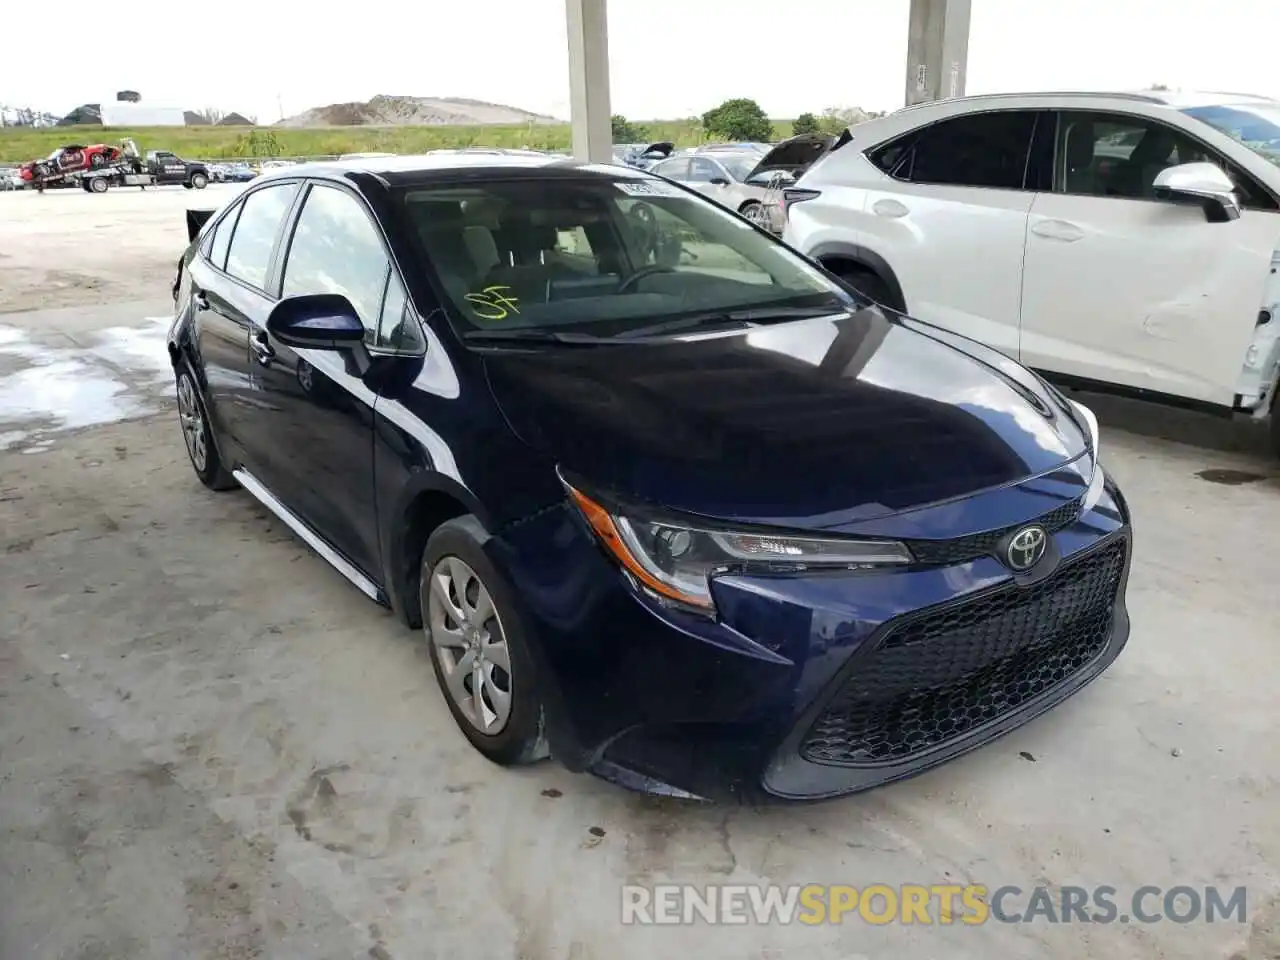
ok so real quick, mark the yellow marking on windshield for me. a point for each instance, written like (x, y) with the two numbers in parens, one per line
(493, 304)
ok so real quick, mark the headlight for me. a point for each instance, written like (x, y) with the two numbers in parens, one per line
(674, 560)
(1099, 478)
(1091, 423)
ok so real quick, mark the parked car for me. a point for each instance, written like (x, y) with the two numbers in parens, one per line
(1121, 242)
(643, 155)
(700, 531)
(10, 178)
(747, 182)
(239, 173)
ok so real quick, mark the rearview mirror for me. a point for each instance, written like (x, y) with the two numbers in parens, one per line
(1204, 185)
(316, 321)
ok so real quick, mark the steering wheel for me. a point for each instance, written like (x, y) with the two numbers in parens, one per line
(646, 219)
(646, 271)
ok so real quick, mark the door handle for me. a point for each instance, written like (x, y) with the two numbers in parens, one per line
(1057, 230)
(262, 349)
(201, 300)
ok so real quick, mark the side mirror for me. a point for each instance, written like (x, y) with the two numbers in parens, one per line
(316, 321)
(1204, 185)
(719, 182)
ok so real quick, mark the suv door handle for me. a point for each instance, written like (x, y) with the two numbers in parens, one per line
(262, 349)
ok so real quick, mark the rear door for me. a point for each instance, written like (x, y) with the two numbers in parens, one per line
(951, 220)
(226, 298)
(1125, 289)
(317, 417)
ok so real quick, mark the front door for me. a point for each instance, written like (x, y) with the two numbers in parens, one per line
(1125, 289)
(319, 420)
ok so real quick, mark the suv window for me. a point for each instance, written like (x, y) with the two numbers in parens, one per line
(1117, 155)
(249, 255)
(978, 150)
(337, 249)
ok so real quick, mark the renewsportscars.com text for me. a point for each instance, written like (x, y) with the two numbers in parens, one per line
(928, 904)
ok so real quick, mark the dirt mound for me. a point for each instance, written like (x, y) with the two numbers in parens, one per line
(412, 111)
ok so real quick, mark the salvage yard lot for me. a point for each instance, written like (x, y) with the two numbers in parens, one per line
(213, 746)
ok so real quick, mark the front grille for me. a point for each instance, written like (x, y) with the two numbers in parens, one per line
(964, 549)
(942, 675)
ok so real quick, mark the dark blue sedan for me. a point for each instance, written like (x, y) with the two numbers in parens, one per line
(668, 502)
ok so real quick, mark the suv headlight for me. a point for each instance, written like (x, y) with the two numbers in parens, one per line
(674, 559)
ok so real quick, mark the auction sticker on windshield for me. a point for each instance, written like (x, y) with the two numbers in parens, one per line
(647, 188)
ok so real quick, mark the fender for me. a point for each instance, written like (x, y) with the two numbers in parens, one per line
(396, 562)
(867, 258)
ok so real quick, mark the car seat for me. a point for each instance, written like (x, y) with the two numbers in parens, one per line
(1079, 174)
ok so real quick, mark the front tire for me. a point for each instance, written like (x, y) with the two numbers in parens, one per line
(199, 181)
(476, 635)
(197, 434)
(871, 287)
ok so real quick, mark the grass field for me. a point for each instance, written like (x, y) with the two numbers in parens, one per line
(20, 144)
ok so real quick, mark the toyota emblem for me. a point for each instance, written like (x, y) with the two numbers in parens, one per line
(1026, 548)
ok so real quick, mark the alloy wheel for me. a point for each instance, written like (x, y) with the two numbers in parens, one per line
(471, 646)
(193, 430)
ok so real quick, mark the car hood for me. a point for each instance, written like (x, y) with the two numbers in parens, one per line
(794, 155)
(810, 424)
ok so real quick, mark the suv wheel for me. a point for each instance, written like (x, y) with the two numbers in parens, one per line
(869, 285)
(477, 643)
(201, 449)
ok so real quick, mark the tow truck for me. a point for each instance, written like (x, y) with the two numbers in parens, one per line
(129, 169)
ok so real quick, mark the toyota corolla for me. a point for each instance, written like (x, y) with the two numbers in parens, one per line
(666, 500)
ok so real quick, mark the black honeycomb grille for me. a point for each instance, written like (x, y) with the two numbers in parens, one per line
(964, 549)
(943, 675)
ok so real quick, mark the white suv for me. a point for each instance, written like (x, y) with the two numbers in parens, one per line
(1121, 241)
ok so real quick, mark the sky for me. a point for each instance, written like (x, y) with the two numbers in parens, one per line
(669, 58)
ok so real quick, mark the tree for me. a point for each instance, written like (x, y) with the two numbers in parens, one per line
(211, 115)
(805, 123)
(626, 132)
(739, 119)
(1159, 86)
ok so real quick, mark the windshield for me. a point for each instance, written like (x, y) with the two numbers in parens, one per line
(1257, 126)
(739, 167)
(601, 256)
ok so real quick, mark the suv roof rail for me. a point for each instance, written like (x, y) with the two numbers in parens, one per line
(1099, 94)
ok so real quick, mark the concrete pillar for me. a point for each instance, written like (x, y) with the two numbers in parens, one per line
(589, 80)
(937, 49)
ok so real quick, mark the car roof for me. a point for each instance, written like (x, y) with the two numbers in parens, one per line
(425, 168)
(1177, 99)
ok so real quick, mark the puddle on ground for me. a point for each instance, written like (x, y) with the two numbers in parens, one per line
(1231, 478)
(122, 373)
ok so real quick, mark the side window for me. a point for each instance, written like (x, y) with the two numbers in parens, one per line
(216, 249)
(398, 327)
(337, 249)
(978, 150)
(1116, 155)
(702, 170)
(249, 254)
(673, 169)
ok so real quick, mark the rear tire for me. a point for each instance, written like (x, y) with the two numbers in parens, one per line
(474, 628)
(198, 434)
(97, 185)
(1274, 423)
(870, 286)
(199, 181)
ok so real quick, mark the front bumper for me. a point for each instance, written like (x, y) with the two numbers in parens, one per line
(809, 686)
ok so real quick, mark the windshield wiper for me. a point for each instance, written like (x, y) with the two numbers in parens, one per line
(534, 336)
(748, 316)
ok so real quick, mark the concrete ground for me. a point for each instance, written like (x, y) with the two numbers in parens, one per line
(211, 746)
